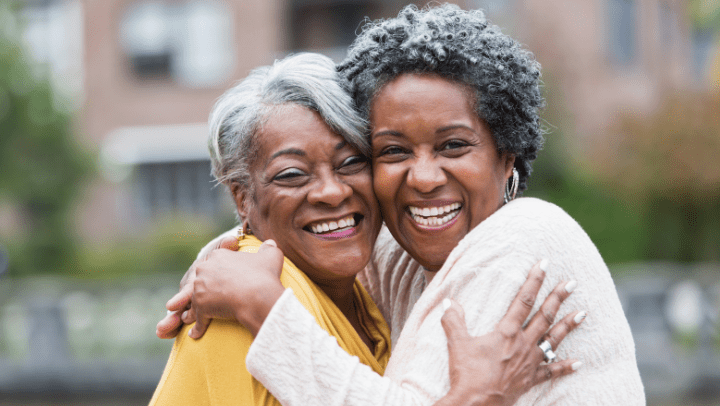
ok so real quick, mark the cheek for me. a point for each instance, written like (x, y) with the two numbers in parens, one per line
(385, 183)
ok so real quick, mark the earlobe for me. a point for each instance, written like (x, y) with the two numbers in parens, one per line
(509, 164)
(241, 198)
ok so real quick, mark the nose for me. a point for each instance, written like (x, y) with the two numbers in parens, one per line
(425, 174)
(329, 189)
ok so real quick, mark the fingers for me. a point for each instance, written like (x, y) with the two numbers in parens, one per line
(525, 299)
(453, 322)
(274, 255)
(229, 243)
(181, 300)
(547, 372)
(558, 332)
(169, 326)
(189, 316)
(199, 328)
(545, 317)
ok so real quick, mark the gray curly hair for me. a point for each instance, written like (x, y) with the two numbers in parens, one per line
(463, 47)
(305, 79)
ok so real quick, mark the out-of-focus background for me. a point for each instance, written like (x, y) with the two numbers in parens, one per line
(106, 196)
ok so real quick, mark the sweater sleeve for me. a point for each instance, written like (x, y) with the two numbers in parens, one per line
(301, 364)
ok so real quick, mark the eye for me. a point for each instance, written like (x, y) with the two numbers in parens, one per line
(454, 148)
(392, 151)
(454, 144)
(289, 175)
(353, 164)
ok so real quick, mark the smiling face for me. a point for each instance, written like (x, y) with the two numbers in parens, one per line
(437, 171)
(312, 195)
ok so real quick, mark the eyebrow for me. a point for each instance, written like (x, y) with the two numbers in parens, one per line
(440, 130)
(453, 127)
(387, 132)
(295, 151)
(288, 151)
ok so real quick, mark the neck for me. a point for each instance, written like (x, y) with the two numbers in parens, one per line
(341, 293)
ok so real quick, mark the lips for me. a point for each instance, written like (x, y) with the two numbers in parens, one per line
(435, 216)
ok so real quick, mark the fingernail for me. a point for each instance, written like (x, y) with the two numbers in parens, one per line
(271, 243)
(170, 312)
(184, 315)
(576, 365)
(191, 333)
(544, 264)
(571, 286)
(446, 304)
(580, 317)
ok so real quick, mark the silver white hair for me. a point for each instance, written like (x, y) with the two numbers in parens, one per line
(305, 79)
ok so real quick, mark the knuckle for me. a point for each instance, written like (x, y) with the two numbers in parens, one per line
(538, 277)
(548, 315)
(527, 300)
(552, 339)
(509, 332)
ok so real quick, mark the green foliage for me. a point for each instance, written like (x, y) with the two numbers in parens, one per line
(646, 190)
(41, 167)
(615, 226)
(705, 14)
(665, 162)
(170, 246)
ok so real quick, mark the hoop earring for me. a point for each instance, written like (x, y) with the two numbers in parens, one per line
(511, 187)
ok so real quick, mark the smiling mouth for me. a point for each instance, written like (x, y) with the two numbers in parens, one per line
(434, 216)
(340, 226)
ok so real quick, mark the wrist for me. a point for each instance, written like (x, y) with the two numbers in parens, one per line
(471, 398)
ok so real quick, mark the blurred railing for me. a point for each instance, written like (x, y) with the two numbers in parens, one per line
(82, 338)
(96, 338)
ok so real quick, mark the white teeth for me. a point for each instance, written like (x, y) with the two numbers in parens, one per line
(348, 221)
(433, 216)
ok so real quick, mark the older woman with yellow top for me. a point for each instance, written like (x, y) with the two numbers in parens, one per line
(275, 143)
(290, 147)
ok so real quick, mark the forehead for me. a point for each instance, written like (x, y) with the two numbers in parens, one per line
(296, 125)
(294, 130)
(415, 99)
(412, 91)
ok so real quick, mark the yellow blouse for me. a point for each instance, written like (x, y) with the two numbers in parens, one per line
(211, 370)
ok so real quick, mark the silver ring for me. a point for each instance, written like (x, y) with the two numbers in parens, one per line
(546, 348)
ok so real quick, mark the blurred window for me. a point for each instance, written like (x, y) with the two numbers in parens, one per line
(188, 42)
(622, 15)
(52, 33)
(669, 25)
(703, 46)
(167, 187)
(327, 24)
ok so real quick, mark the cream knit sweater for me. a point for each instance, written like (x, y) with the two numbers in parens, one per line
(302, 365)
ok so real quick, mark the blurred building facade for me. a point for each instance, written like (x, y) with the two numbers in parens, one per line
(145, 74)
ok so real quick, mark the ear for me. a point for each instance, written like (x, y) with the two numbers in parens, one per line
(243, 200)
(509, 164)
